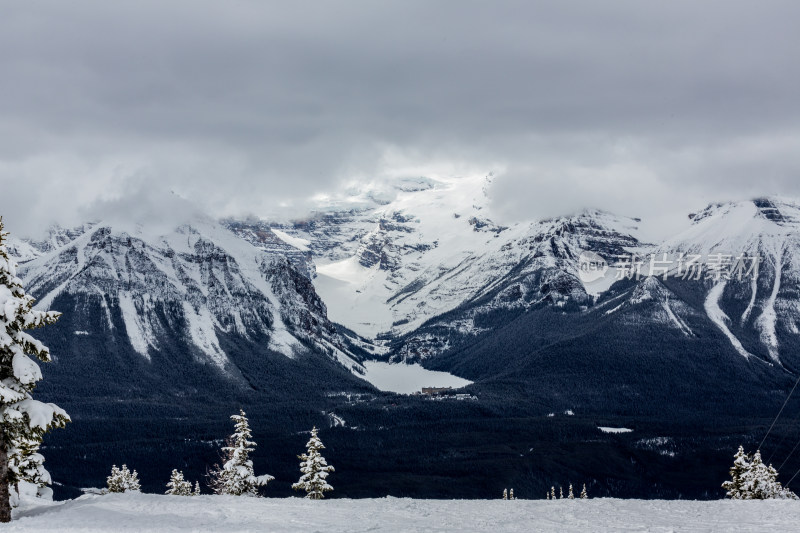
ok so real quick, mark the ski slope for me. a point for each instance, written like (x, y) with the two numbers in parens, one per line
(166, 514)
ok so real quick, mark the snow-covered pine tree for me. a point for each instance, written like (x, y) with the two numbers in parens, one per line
(236, 476)
(196, 489)
(779, 491)
(511, 495)
(552, 493)
(760, 482)
(560, 492)
(123, 480)
(741, 465)
(505, 494)
(178, 486)
(23, 420)
(571, 495)
(584, 494)
(314, 469)
(547, 495)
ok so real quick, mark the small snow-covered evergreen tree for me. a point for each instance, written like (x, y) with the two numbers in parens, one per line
(236, 476)
(196, 489)
(741, 465)
(178, 486)
(123, 480)
(552, 493)
(584, 494)
(23, 420)
(571, 495)
(505, 494)
(314, 469)
(511, 495)
(560, 492)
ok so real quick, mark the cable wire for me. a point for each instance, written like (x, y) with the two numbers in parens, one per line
(783, 438)
(779, 414)
(788, 456)
(794, 476)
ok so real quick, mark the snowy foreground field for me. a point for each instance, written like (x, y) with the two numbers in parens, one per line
(148, 512)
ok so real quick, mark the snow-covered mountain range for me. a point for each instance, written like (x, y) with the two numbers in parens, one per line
(418, 268)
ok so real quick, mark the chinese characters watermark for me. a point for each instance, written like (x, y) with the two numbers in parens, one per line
(684, 266)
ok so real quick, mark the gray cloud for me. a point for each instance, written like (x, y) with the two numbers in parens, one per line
(247, 106)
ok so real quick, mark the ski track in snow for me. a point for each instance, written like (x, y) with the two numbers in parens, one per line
(752, 303)
(718, 317)
(145, 513)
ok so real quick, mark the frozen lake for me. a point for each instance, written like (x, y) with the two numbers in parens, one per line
(406, 379)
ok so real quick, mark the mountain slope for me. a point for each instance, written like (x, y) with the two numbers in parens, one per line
(538, 267)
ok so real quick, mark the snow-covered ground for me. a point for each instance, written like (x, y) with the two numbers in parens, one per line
(164, 514)
(405, 379)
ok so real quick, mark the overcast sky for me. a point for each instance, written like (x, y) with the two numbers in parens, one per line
(641, 107)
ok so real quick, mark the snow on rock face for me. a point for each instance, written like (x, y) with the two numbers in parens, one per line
(56, 236)
(274, 242)
(199, 279)
(21, 251)
(139, 329)
(202, 331)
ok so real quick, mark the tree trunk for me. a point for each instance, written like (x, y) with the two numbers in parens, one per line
(5, 500)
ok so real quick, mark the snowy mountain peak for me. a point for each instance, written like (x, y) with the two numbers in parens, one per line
(779, 210)
(750, 226)
(650, 289)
